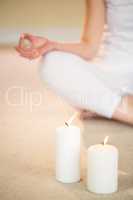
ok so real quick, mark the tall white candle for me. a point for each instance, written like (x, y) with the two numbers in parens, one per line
(102, 168)
(68, 154)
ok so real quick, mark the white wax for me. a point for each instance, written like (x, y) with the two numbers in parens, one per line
(68, 154)
(102, 169)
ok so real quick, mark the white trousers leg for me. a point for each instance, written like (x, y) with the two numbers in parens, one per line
(75, 79)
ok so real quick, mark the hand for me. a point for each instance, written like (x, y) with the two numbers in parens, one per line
(36, 46)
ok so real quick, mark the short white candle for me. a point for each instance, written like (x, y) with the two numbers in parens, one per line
(68, 154)
(102, 169)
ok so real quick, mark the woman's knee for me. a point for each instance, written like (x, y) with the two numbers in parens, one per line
(48, 68)
(53, 70)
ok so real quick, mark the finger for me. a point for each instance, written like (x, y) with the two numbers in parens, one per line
(31, 54)
(34, 55)
(17, 49)
(34, 38)
(25, 53)
(30, 58)
(28, 55)
(20, 42)
(23, 37)
(28, 36)
(25, 45)
(24, 50)
(25, 57)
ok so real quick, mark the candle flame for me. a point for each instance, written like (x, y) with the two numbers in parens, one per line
(106, 140)
(69, 121)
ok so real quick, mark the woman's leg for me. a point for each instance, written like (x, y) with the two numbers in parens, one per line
(86, 114)
(76, 80)
(124, 112)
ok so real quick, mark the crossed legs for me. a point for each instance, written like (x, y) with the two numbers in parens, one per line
(124, 111)
(75, 80)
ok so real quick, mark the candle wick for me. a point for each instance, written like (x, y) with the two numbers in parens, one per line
(71, 119)
(66, 124)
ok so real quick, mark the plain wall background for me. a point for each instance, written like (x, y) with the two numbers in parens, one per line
(40, 16)
(40, 13)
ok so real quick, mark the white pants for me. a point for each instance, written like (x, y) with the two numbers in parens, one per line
(78, 82)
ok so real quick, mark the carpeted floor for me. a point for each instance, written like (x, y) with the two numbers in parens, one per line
(29, 115)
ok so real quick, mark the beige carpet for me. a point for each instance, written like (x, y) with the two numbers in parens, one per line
(27, 138)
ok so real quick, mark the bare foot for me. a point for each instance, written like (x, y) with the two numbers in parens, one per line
(86, 114)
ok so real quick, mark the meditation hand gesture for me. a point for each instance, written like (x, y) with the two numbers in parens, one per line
(32, 47)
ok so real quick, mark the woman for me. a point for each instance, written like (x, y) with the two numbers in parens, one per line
(96, 73)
